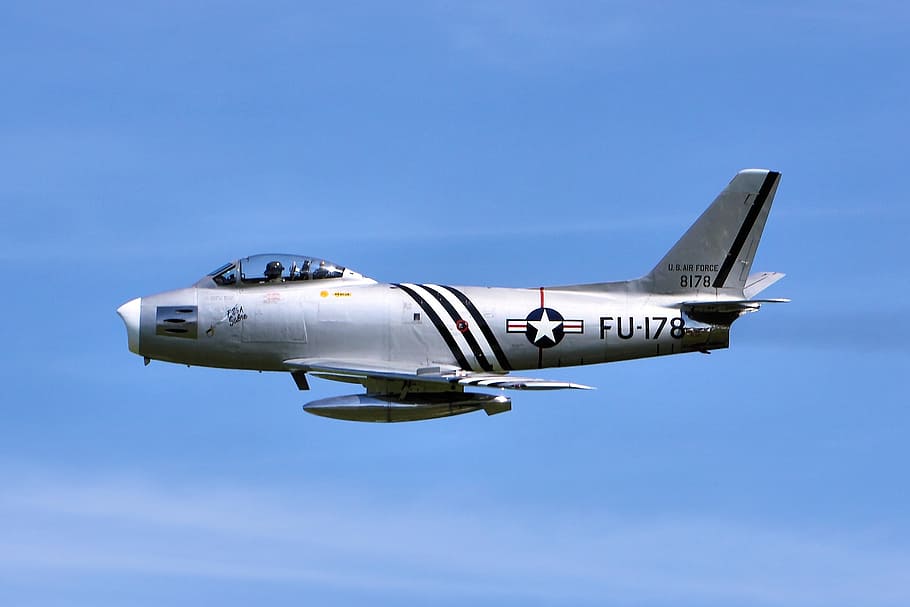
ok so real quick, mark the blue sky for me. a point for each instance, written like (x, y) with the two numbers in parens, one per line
(506, 143)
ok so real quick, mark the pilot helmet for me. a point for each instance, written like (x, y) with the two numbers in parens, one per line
(273, 270)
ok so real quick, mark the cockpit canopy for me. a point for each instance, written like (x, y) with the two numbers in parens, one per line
(276, 269)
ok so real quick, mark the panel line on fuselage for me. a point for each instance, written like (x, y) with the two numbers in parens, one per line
(427, 307)
(452, 305)
(484, 327)
(458, 328)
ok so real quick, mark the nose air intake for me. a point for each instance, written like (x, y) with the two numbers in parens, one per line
(129, 312)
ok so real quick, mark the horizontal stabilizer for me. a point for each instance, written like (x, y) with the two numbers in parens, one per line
(758, 282)
(723, 313)
(733, 305)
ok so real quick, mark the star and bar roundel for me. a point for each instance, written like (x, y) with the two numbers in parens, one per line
(544, 327)
(468, 335)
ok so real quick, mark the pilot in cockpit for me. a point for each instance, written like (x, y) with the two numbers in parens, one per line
(322, 272)
(273, 271)
(300, 272)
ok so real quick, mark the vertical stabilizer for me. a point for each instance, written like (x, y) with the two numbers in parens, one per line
(715, 255)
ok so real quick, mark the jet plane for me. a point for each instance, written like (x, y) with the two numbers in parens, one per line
(421, 351)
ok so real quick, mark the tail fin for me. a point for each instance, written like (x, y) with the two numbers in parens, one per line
(715, 255)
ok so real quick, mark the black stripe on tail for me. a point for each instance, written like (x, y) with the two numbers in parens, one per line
(745, 229)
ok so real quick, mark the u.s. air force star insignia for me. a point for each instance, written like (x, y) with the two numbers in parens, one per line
(544, 327)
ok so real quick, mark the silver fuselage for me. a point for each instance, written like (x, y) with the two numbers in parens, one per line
(261, 326)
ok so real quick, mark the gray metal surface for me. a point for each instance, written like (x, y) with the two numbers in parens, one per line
(418, 346)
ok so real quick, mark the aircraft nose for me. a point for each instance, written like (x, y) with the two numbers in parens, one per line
(129, 312)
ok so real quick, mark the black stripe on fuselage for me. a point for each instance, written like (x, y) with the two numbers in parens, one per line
(484, 327)
(469, 337)
(744, 229)
(440, 326)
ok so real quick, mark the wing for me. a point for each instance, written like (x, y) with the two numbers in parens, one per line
(360, 372)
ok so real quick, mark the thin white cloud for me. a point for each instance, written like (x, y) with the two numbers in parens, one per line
(882, 18)
(435, 544)
(514, 34)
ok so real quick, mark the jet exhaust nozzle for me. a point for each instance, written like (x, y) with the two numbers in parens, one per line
(383, 408)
